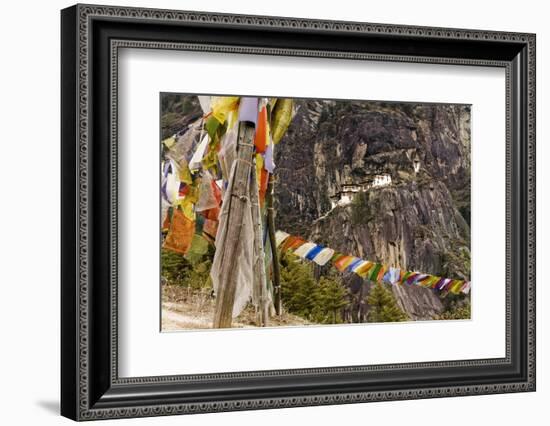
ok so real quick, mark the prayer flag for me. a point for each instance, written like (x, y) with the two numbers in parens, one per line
(363, 270)
(169, 142)
(314, 252)
(342, 263)
(195, 162)
(281, 118)
(180, 234)
(356, 261)
(222, 105)
(304, 249)
(280, 236)
(374, 273)
(324, 256)
(269, 164)
(260, 139)
(248, 110)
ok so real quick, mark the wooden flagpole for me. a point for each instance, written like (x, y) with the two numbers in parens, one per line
(274, 253)
(259, 291)
(239, 201)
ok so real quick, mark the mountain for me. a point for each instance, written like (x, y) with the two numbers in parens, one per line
(410, 166)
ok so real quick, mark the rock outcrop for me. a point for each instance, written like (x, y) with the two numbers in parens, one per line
(417, 219)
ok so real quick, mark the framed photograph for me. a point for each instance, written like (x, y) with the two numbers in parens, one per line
(263, 212)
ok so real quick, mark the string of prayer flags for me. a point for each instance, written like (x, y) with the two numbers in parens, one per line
(204, 151)
(197, 210)
(372, 271)
(209, 143)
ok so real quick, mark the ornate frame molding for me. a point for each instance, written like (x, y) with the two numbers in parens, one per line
(78, 24)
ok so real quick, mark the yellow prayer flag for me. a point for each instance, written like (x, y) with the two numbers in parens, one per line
(259, 167)
(281, 118)
(186, 205)
(222, 105)
(185, 173)
(455, 286)
(363, 270)
(430, 282)
(169, 142)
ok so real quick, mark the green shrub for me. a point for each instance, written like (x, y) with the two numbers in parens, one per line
(319, 301)
(456, 311)
(177, 270)
(383, 306)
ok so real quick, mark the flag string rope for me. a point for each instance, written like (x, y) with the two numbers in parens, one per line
(367, 269)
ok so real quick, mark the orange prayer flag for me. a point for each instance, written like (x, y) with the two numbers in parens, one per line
(210, 228)
(216, 191)
(289, 240)
(297, 243)
(180, 234)
(292, 242)
(212, 214)
(342, 263)
(381, 273)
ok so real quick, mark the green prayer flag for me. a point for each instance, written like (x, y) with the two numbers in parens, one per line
(374, 273)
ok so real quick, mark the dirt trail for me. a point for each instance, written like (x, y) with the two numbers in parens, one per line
(184, 309)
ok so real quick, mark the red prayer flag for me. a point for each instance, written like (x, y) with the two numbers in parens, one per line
(260, 141)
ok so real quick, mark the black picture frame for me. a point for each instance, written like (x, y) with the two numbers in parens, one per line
(90, 38)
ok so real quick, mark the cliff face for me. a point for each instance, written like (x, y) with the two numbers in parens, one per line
(417, 217)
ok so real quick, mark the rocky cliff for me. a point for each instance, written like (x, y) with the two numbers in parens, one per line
(417, 218)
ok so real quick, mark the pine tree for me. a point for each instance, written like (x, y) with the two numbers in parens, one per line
(331, 298)
(302, 295)
(297, 286)
(383, 306)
